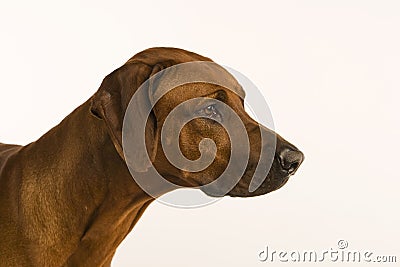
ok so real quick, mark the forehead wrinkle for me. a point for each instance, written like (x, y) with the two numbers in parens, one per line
(208, 73)
(200, 89)
(184, 92)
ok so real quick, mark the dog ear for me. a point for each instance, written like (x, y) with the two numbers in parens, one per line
(111, 101)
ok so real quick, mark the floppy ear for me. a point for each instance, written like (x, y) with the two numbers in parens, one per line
(111, 101)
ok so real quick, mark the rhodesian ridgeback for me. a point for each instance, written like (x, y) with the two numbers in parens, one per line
(68, 199)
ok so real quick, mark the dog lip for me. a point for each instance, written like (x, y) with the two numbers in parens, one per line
(283, 182)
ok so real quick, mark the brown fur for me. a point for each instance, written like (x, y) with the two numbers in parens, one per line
(68, 199)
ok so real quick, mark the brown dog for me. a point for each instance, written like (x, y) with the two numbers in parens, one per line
(68, 199)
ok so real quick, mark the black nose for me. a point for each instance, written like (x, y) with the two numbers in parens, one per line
(290, 160)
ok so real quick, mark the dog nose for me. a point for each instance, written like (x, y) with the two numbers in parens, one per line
(290, 160)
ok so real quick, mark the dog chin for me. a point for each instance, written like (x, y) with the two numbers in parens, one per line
(242, 191)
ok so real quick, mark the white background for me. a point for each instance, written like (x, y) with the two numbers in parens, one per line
(329, 71)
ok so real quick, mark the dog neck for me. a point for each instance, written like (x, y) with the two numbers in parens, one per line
(78, 200)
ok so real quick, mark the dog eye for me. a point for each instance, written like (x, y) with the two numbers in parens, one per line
(211, 111)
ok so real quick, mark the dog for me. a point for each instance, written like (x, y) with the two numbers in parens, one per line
(68, 199)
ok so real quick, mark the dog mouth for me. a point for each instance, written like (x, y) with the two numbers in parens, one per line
(266, 187)
(282, 182)
(274, 180)
(241, 189)
(253, 183)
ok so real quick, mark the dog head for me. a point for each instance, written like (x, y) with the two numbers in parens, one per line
(207, 111)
